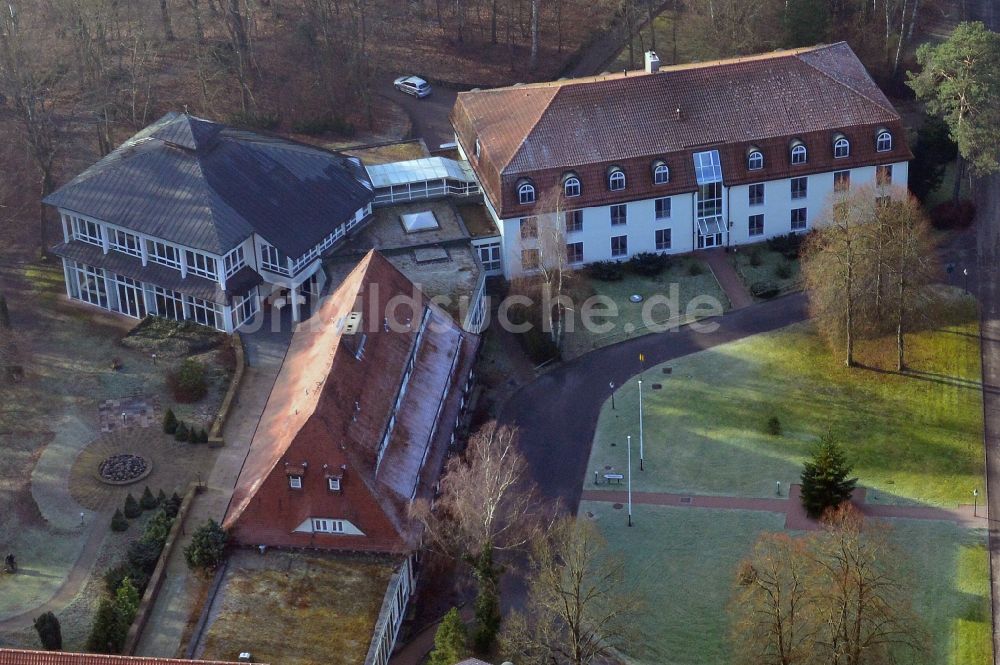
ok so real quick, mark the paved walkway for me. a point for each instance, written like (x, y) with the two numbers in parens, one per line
(164, 633)
(791, 506)
(730, 280)
(422, 643)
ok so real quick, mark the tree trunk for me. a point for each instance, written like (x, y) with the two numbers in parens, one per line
(900, 295)
(652, 26)
(849, 295)
(199, 28)
(959, 171)
(534, 34)
(493, 22)
(168, 30)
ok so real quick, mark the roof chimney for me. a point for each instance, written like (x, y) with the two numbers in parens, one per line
(652, 62)
(678, 114)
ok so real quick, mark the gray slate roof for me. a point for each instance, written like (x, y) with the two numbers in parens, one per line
(208, 186)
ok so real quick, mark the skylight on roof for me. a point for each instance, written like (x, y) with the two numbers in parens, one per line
(707, 167)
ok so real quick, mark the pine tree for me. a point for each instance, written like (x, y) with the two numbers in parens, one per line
(450, 641)
(203, 436)
(169, 422)
(181, 433)
(118, 521)
(161, 498)
(825, 479)
(4, 312)
(49, 631)
(208, 546)
(132, 509)
(192, 435)
(147, 501)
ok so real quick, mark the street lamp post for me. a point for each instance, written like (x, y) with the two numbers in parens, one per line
(975, 502)
(611, 385)
(641, 455)
(965, 271)
(630, 480)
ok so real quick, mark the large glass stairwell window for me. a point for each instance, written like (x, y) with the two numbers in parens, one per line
(708, 211)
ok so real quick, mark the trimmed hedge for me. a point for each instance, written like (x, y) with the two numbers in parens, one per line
(606, 271)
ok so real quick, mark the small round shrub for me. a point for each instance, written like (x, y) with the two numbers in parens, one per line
(208, 546)
(783, 270)
(118, 521)
(695, 268)
(951, 215)
(773, 426)
(187, 383)
(755, 259)
(192, 435)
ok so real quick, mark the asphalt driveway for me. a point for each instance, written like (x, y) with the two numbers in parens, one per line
(557, 413)
(429, 115)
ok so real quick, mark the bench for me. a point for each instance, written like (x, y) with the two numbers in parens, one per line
(617, 477)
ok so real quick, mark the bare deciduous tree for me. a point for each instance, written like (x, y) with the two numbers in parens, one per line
(579, 610)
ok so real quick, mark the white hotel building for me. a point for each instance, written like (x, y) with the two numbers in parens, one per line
(681, 158)
(193, 220)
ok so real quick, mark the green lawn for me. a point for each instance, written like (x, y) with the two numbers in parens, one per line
(630, 322)
(914, 438)
(681, 562)
(767, 268)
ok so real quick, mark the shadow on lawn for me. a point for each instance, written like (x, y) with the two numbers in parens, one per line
(933, 377)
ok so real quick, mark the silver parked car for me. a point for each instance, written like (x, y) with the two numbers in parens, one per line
(413, 85)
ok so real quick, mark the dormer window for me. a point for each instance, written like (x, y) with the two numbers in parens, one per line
(884, 141)
(525, 193)
(295, 482)
(478, 148)
(755, 160)
(571, 185)
(661, 173)
(799, 154)
(333, 484)
(616, 179)
(841, 147)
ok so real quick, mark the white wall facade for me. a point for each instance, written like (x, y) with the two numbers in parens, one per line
(642, 224)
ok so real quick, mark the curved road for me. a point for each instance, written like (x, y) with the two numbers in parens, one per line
(557, 413)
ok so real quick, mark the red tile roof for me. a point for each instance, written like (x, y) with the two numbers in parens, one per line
(329, 409)
(542, 130)
(27, 657)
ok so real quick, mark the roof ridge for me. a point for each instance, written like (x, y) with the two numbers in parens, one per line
(843, 83)
(514, 153)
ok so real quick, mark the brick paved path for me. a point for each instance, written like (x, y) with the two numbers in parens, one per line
(728, 278)
(791, 507)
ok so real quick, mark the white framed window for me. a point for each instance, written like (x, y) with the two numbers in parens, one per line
(204, 312)
(756, 225)
(529, 228)
(333, 484)
(755, 194)
(323, 525)
(800, 187)
(619, 245)
(799, 219)
(884, 142)
(661, 208)
(489, 256)
(244, 307)
(87, 231)
(169, 304)
(841, 181)
(295, 482)
(164, 254)
(526, 193)
(87, 284)
(574, 252)
(755, 160)
(273, 260)
(201, 265)
(661, 174)
(572, 187)
(663, 239)
(799, 154)
(841, 148)
(619, 214)
(574, 221)
(616, 180)
(233, 261)
(124, 242)
(883, 175)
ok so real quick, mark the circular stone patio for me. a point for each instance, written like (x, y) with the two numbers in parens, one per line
(172, 465)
